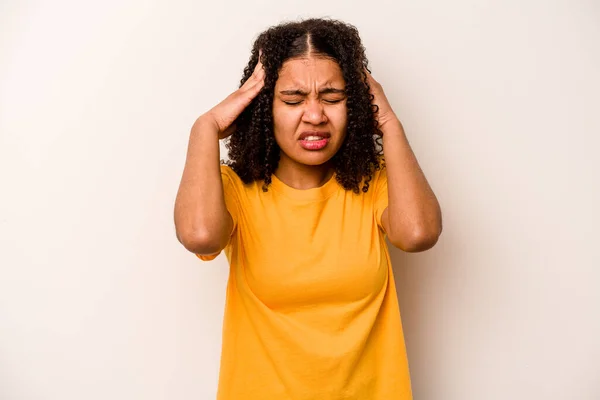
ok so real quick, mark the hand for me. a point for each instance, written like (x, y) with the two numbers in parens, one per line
(225, 113)
(385, 112)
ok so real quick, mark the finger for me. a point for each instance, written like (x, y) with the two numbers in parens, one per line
(260, 71)
(258, 79)
(245, 97)
(259, 65)
(252, 80)
(257, 76)
(252, 83)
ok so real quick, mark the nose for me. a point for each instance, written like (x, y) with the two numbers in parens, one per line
(314, 112)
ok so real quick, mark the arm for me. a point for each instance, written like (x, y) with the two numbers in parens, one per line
(413, 218)
(202, 222)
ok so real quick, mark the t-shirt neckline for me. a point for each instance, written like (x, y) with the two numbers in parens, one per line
(318, 193)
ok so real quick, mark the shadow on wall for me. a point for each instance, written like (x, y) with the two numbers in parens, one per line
(420, 285)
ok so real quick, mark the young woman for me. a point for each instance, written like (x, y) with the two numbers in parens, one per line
(302, 210)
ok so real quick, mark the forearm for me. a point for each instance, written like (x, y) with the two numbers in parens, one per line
(202, 221)
(414, 215)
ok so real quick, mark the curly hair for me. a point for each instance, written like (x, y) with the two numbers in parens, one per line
(253, 151)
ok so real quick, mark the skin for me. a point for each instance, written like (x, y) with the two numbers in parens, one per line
(412, 220)
(309, 95)
(202, 222)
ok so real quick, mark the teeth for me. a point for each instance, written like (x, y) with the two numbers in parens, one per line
(313, 138)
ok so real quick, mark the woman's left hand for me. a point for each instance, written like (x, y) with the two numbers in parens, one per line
(385, 113)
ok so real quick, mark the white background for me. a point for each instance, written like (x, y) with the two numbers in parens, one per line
(500, 100)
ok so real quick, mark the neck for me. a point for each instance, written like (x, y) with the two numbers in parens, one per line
(302, 176)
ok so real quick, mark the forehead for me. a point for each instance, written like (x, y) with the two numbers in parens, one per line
(308, 71)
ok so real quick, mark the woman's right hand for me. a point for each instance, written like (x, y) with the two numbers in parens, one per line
(225, 113)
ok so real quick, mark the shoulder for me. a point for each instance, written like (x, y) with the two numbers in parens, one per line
(233, 183)
(227, 173)
(381, 164)
(379, 174)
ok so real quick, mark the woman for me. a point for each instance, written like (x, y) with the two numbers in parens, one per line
(302, 210)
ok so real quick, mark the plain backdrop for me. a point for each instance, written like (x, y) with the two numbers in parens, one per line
(500, 101)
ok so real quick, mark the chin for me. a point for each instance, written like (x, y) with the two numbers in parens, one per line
(312, 158)
(314, 161)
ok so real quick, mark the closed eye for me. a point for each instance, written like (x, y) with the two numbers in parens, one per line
(295, 103)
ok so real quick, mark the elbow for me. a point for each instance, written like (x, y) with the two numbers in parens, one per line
(202, 242)
(421, 243)
(420, 240)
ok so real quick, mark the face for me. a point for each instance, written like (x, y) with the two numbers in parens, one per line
(309, 110)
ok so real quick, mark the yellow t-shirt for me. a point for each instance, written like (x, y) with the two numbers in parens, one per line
(311, 309)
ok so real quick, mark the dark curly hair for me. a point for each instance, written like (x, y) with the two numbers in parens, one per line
(253, 151)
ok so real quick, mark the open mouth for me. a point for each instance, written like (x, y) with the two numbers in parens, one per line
(314, 140)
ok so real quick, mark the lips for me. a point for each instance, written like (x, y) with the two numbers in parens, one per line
(314, 135)
(314, 140)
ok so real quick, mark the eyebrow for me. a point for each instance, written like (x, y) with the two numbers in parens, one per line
(298, 92)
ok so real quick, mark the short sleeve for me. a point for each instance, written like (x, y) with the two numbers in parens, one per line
(380, 195)
(231, 192)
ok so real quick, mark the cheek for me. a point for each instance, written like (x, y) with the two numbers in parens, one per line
(338, 118)
(285, 120)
